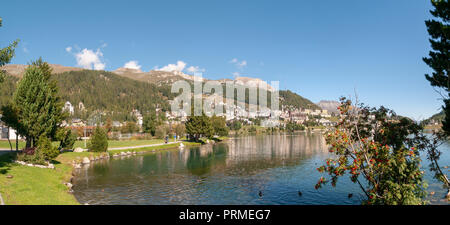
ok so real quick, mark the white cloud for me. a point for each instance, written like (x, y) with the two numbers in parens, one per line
(173, 67)
(236, 74)
(69, 49)
(89, 59)
(240, 64)
(132, 65)
(25, 49)
(195, 69)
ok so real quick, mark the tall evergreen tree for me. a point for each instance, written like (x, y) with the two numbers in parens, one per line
(199, 126)
(439, 57)
(6, 54)
(37, 103)
(99, 140)
(149, 124)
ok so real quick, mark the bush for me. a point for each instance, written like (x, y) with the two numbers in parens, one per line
(45, 147)
(161, 132)
(180, 130)
(31, 155)
(33, 159)
(99, 141)
(66, 138)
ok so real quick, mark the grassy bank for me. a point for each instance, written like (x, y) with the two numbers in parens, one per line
(111, 143)
(37, 186)
(34, 186)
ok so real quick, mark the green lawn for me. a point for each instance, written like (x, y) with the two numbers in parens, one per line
(5, 145)
(37, 186)
(34, 186)
(111, 143)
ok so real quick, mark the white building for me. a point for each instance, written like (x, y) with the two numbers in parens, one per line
(8, 132)
(68, 107)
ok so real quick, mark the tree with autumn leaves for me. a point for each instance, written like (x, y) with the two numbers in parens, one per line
(381, 153)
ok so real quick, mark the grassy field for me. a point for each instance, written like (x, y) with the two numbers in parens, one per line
(111, 143)
(5, 145)
(34, 186)
(37, 186)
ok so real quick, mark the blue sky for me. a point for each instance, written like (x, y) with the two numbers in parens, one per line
(319, 49)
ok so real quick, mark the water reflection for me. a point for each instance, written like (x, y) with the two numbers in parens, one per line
(227, 173)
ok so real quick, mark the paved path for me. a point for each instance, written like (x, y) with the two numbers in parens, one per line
(3, 151)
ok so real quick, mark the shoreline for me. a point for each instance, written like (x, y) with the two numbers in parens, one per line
(17, 178)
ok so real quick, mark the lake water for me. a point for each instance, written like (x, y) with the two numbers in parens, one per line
(233, 172)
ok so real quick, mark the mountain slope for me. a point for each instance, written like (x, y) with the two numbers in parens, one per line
(123, 90)
(289, 98)
(331, 106)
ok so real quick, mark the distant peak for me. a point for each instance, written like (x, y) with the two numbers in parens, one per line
(127, 70)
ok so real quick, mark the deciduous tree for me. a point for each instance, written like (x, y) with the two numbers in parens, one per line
(380, 152)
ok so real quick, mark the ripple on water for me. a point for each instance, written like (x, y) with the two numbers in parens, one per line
(233, 173)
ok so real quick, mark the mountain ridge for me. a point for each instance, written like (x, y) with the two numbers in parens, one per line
(114, 90)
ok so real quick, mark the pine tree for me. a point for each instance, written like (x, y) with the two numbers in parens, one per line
(439, 58)
(6, 54)
(199, 126)
(37, 103)
(99, 140)
(149, 124)
(45, 147)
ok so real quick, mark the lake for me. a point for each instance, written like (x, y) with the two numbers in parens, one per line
(233, 172)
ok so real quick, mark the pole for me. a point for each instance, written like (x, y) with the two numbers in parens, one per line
(85, 137)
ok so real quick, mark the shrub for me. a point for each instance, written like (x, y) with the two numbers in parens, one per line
(35, 158)
(66, 138)
(161, 132)
(45, 147)
(99, 141)
(180, 130)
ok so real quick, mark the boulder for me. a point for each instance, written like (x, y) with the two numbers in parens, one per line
(86, 160)
(69, 185)
(78, 150)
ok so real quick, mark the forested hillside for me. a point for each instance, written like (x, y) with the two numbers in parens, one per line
(289, 98)
(102, 91)
(107, 92)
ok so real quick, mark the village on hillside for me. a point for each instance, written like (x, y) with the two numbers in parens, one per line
(288, 114)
